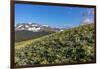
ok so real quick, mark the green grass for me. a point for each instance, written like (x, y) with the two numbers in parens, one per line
(70, 46)
(19, 45)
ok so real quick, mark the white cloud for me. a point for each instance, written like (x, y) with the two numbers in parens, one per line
(87, 21)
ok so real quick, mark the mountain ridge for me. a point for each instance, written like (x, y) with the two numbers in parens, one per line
(34, 27)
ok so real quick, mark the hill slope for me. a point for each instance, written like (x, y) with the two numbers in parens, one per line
(74, 45)
(26, 35)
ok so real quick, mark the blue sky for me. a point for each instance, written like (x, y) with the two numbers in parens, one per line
(54, 16)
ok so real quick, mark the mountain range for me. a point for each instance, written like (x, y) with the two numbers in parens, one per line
(25, 31)
(34, 27)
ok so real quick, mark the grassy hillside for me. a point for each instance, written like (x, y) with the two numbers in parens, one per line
(26, 35)
(70, 46)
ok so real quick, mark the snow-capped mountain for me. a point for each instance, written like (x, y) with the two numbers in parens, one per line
(30, 27)
(34, 27)
(26, 31)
